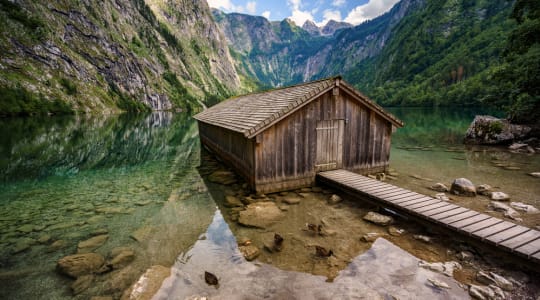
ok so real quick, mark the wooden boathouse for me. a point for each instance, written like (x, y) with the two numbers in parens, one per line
(280, 139)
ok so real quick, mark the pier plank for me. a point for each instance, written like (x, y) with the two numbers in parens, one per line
(529, 248)
(448, 208)
(483, 233)
(495, 231)
(446, 214)
(521, 239)
(481, 225)
(465, 215)
(469, 221)
(423, 210)
(507, 234)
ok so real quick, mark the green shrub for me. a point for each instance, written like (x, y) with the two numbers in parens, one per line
(18, 101)
(69, 87)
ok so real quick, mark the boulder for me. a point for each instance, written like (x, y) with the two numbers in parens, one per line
(250, 252)
(92, 243)
(439, 187)
(489, 130)
(378, 219)
(499, 196)
(80, 264)
(464, 187)
(260, 215)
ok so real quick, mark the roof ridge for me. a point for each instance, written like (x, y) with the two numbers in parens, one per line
(290, 86)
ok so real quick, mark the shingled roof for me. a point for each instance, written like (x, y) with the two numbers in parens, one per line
(252, 113)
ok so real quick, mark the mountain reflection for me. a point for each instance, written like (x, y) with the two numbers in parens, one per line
(33, 148)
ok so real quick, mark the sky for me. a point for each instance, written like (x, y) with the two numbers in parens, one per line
(318, 11)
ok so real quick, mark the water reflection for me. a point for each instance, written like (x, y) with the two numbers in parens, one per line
(33, 148)
(433, 126)
(132, 178)
(384, 271)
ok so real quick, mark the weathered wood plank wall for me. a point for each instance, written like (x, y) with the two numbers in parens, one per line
(236, 150)
(287, 151)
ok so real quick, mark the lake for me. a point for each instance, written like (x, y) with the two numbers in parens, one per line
(135, 182)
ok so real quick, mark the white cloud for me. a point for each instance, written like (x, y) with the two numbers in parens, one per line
(368, 11)
(300, 17)
(228, 6)
(266, 14)
(338, 3)
(297, 14)
(251, 7)
(330, 15)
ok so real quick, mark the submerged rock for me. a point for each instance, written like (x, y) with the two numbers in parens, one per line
(442, 197)
(120, 257)
(508, 211)
(148, 284)
(489, 130)
(292, 199)
(222, 177)
(82, 283)
(232, 201)
(438, 284)
(92, 243)
(423, 238)
(484, 189)
(529, 209)
(260, 214)
(464, 187)
(370, 237)
(394, 231)
(439, 187)
(334, 199)
(481, 292)
(250, 252)
(80, 264)
(378, 219)
(499, 196)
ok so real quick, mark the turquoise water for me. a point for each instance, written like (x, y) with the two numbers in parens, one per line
(65, 180)
(135, 179)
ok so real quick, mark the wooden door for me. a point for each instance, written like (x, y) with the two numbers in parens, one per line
(329, 145)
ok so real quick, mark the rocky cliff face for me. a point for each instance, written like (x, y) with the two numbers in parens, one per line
(113, 55)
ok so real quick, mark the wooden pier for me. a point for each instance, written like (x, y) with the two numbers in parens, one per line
(502, 234)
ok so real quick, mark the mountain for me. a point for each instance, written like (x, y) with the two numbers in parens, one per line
(281, 53)
(328, 29)
(421, 52)
(59, 56)
(332, 26)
